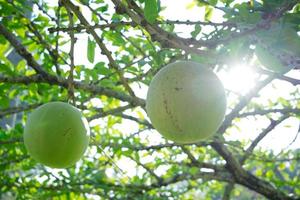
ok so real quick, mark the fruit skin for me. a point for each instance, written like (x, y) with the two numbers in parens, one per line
(277, 46)
(186, 102)
(269, 61)
(56, 134)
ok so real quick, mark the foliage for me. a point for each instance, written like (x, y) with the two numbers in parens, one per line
(101, 55)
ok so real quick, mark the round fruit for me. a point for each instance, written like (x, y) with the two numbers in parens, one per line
(56, 134)
(186, 102)
(270, 61)
(277, 46)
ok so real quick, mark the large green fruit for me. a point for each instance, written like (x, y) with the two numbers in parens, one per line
(56, 134)
(270, 61)
(186, 102)
(277, 46)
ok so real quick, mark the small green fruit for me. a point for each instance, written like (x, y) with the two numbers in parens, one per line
(56, 134)
(186, 102)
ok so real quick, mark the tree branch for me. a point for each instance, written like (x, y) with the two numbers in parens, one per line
(53, 80)
(71, 54)
(78, 28)
(101, 45)
(150, 171)
(227, 191)
(220, 176)
(22, 50)
(13, 110)
(114, 111)
(242, 103)
(245, 178)
(264, 112)
(143, 122)
(11, 141)
(165, 38)
(263, 134)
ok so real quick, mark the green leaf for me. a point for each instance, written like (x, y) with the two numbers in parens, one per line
(194, 170)
(91, 50)
(151, 10)
(115, 37)
(102, 9)
(21, 66)
(208, 13)
(6, 69)
(191, 5)
(196, 31)
(227, 2)
(269, 174)
(4, 101)
(95, 18)
(246, 15)
(213, 2)
(101, 69)
(107, 83)
(2, 39)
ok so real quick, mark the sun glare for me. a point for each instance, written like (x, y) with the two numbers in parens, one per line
(240, 79)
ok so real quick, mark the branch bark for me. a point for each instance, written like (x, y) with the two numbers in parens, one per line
(245, 178)
(22, 51)
(53, 80)
(13, 110)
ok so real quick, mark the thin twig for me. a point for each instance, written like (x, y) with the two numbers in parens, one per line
(267, 111)
(102, 46)
(79, 28)
(113, 111)
(242, 103)
(109, 157)
(263, 134)
(143, 122)
(71, 54)
(188, 22)
(57, 13)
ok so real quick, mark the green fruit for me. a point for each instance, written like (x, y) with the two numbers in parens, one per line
(280, 40)
(269, 61)
(289, 41)
(186, 102)
(56, 134)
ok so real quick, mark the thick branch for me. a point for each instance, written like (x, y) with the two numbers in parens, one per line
(53, 80)
(157, 33)
(220, 176)
(245, 178)
(21, 50)
(227, 191)
(13, 110)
